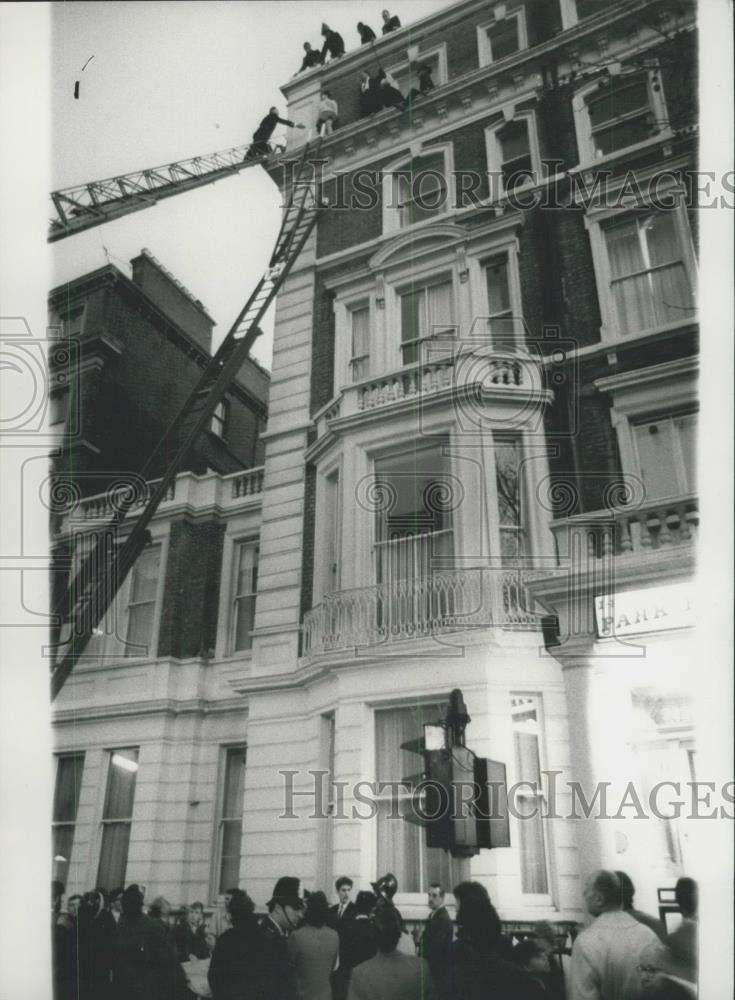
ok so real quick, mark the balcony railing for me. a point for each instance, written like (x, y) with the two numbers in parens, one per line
(455, 368)
(649, 527)
(446, 601)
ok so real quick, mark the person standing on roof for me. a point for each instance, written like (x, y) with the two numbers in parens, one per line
(312, 57)
(366, 33)
(328, 111)
(264, 131)
(333, 44)
(390, 23)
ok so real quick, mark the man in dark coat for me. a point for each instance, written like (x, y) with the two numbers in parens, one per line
(144, 966)
(390, 23)
(344, 910)
(234, 971)
(313, 57)
(62, 948)
(285, 910)
(357, 943)
(333, 46)
(435, 944)
(264, 131)
(367, 34)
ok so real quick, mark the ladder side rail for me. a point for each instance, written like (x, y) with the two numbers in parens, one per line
(123, 559)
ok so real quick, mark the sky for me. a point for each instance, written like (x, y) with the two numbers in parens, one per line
(169, 81)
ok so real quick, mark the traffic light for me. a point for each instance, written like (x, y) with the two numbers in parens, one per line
(459, 799)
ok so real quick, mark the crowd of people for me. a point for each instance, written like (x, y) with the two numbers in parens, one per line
(113, 947)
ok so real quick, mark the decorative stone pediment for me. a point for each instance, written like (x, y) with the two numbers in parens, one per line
(411, 244)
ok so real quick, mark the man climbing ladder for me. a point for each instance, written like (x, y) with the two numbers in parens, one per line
(264, 131)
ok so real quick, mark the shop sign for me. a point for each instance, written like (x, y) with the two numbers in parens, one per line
(654, 609)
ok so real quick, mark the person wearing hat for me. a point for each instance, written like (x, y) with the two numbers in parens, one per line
(391, 975)
(285, 911)
(343, 910)
(333, 46)
(390, 23)
(358, 942)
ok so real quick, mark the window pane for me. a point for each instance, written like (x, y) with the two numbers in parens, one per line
(234, 783)
(686, 428)
(113, 855)
(414, 482)
(617, 99)
(246, 585)
(440, 308)
(514, 140)
(140, 629)
(401, 845)
(498, 292)
(68, 785)
(231, 850)
(624, 249)
(507, 481)
(659, 232)
(62, 843)
(121, 784)
(503, 38)
(657, 459)
(526, 738)
(412, 326)
(622, 134)
(360, 332)
(145, 575)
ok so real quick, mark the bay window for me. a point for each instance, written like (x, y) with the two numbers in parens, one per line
(117, 817)
(427, 311)
(414, 538)
(649, 279)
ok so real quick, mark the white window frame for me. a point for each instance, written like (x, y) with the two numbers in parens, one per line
(442, 277)
(392, 212)
(322, 577)
(220, 818)
(68, 823)
(252, 541)
(583, 124)
(218, 423)
(420, 57)
(358, 306)
(109, 649)
(108, 754)
(678, 460)
(494, 151)
(545, 899)
(484, 43)
(657, 391)
(595, 222)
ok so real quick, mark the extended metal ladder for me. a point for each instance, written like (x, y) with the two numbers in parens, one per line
(104, 569)
(87, 205)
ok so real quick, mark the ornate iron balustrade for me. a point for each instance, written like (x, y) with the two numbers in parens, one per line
(648, 527)
(445, 601)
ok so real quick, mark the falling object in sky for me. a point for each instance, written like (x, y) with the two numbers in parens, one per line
(76, 82)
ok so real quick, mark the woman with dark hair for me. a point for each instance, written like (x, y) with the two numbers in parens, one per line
(476, 970)
(313, 950)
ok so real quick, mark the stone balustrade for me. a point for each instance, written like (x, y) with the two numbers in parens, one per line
(621, 531)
